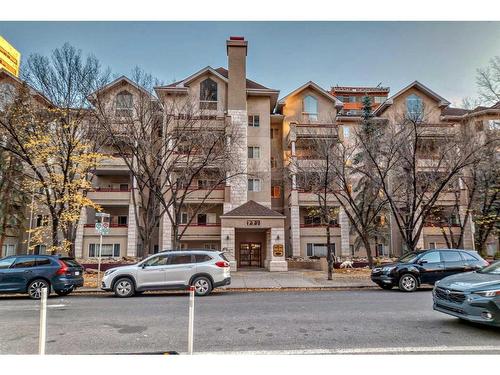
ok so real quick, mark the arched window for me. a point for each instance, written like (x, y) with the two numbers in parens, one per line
(310, 107)
(208, 94)
(124, 103)
(414, 107)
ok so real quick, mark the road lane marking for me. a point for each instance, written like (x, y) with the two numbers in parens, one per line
(397, 350)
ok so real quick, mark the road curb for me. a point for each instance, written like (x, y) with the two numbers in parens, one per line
(274, 289)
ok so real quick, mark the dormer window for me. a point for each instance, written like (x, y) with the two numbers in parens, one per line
(123, 104)
(310, 107)
(208, 94)
(414, 107)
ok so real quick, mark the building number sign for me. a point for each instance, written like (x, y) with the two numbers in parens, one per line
(253, 223)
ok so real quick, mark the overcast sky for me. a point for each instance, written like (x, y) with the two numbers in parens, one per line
(284, 55)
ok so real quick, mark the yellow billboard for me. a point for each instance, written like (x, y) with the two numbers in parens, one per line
(10, 58)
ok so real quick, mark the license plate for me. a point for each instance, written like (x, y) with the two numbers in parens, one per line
(77, 273)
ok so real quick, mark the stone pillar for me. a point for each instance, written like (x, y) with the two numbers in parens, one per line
(227, 239)
(295, 224)
(132, 225)
(275, 236)
(345, 249)
(166, 232)
(79, 233)
(239, 183)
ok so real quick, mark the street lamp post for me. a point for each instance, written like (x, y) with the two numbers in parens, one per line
(103, 228)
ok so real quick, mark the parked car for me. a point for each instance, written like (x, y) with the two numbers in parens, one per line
(174, 270)
(426, 267)
(30, 273)
(473, 296)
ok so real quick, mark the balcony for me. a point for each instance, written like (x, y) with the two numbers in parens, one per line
(318, 230)
(307, 131)
(308, 198)
(206, 122)
(114, 230)
(195, 195)
(436, 130)
(201, 232)
(111, 197)
(112, 164)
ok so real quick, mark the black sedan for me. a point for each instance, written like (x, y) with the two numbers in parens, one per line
(426, 267)
(473, 296)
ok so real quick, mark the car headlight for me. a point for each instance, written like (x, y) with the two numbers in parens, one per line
(109, 272)
(488, 293)
(388, 268)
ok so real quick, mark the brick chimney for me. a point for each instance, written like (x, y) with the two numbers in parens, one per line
(236, 55)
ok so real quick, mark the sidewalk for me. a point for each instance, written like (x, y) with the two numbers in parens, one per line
(297, 279)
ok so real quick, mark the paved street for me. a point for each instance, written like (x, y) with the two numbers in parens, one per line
(319, 321)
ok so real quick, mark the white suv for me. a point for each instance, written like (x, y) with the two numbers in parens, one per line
(178, 270)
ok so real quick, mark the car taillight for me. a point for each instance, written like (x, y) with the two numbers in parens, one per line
(222, 264)
(63, 268)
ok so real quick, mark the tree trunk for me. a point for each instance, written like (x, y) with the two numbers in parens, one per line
(366, 243)
(329, 254)
(54, 231)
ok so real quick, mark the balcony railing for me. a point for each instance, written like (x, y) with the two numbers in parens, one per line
(111, 225)
(314, 130)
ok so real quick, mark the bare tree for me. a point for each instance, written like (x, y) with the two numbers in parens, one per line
(488, 81)
(168, 148)
(415, 162)
(355, 190)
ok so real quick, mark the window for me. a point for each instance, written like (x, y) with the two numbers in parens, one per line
(7, 92)
(253, 121)
(274, 133)
(468, 258)
(40, 249)
(8, 249)
(312, 220)
(200, 258)
(108, 250)
(318, 249)
(432, 257)
(202, 219)
(414, 106)
(208, 94)
(205, 184)
(180, 259)
(210, 246)
(451, 256)
(347, 131)
(254, 184)
(122, 220)
(43, 262)
(123, 187)
(310, 104)
(159, 260)
(276, 192)
(41, 220)
(123, 104)
(253, 152)
(274, 164)
(6, 263)
(183, 218)
(25, 262)
(379, 99)
(432, 245)
(155, 249)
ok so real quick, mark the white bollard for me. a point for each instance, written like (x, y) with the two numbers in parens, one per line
(43, 322)
(191, 320)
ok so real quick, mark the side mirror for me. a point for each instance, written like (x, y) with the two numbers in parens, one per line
(423, 261)
(143, 265)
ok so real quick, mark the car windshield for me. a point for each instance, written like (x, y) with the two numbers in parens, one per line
(408, 258)
(493, 269)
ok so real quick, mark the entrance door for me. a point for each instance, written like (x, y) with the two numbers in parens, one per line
(250, 254)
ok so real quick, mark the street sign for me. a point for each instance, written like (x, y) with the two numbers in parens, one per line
(102, 228)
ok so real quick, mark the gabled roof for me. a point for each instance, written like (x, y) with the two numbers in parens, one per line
(118, 81)
(33, 91)
(317, 88)
(252, 209)
(442, 102)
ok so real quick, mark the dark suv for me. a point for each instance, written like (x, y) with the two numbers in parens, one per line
(426, 267)
(30, 273)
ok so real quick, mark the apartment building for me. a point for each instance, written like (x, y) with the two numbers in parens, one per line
(263, 217)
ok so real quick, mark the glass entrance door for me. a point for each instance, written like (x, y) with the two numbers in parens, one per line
(250, 254)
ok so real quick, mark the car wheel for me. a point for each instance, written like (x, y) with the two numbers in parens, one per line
(35, 288)
(408, 283)
(64, 292)
(386, 286)
(124, 287)
(202, 286)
